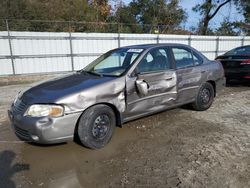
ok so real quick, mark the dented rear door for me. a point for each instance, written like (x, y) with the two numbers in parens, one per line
(190, 73)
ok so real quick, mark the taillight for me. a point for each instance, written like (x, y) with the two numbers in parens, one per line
(245, 62)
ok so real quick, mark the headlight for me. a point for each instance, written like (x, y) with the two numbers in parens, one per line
(15, 99)
(42, 110)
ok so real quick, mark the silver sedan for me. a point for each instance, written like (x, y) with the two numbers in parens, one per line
(122, 85)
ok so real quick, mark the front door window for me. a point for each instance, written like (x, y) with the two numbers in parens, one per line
(155, 60)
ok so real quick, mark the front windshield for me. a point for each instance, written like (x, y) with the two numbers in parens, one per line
(115, 62)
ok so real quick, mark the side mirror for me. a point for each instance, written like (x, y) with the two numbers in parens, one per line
(142, 86)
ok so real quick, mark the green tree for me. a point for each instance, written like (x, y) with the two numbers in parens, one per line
(150, 16)
(138, 16)
(60, 10)
(245, 8)
(125, 18)
(228, 28)
(235, 27)
(102, 9)
(208, 9)
(167, 15)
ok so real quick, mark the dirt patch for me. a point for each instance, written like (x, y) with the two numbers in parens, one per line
(25, 79)
(176, 148)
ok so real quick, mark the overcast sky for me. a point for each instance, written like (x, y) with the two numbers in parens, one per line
(228, 11)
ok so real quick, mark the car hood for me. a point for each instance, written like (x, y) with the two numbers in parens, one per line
(55, 89)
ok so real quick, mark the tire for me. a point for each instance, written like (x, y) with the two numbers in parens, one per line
(204, 98)
(96, 126)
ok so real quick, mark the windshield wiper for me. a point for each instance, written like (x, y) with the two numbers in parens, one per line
(93, 73)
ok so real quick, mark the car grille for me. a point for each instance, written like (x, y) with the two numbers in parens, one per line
(19, 107)
(21, 133)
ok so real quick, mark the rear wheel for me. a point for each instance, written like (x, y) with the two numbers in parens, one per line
(96, 126)
(204, 98)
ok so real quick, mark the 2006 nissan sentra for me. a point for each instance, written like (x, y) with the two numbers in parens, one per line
(122, 85)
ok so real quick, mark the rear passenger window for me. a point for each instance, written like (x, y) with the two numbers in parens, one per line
(183, 57)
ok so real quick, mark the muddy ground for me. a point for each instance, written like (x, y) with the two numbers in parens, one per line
(176, 148)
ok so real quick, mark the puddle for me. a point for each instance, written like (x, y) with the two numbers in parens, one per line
(71, 165)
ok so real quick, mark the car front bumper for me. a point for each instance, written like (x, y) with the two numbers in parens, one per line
(44, 130)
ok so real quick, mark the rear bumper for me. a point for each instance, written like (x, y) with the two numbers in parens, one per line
(44, 130)
(237, 75)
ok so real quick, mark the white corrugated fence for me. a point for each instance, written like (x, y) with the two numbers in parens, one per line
(45, 52)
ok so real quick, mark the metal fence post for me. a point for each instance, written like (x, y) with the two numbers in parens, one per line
(119, 36)
(158, 35)
(217, 46)
(10, 46)
(71, 49)
(242, 41)
(157, 39)
(119, 42)
(189, 40)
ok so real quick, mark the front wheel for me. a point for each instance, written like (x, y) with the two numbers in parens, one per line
(205, 97)
(96, 126)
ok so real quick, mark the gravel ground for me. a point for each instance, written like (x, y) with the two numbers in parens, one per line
(176, 148)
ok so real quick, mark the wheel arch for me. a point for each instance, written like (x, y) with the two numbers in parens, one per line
(118, 118)
(213, 83)
(118, 115)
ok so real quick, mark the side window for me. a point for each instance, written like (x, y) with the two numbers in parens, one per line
(242, 50)
(183, 57)
(197, 59)
(154, 60)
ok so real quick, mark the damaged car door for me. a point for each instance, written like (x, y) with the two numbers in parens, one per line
(190, 73)
(153, 85)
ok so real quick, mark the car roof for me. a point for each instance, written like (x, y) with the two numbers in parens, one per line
(148, 46)
(245, 46)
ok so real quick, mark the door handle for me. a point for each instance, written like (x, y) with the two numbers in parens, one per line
(203, 71)
(168, 79)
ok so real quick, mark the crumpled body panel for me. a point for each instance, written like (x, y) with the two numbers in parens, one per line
(111, 92)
